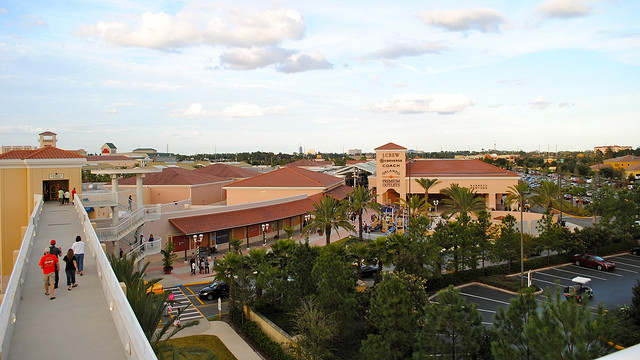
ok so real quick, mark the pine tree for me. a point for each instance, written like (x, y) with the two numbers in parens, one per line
(511, 343)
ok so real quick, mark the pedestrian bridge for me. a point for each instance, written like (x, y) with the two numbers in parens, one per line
(94, 320)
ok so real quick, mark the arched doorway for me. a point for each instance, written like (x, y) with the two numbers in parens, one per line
(390, 197)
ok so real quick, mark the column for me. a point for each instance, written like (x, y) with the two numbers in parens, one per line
(139, 203)
(114, 191)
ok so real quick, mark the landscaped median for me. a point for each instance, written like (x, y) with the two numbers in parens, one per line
(209, 342)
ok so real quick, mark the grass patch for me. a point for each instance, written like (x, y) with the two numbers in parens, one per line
(209, 342)
(505, 282)
(215, 318)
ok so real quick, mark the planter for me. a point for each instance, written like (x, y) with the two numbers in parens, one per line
(167, 269)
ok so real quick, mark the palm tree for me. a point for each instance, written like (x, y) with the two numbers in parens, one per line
(415, 205)
(361, 198)
(327, 214)
(379, 252)
(427, 184)
(546, 194)
(461, 201)
(358, 252)
(227, 268)
(519, 193)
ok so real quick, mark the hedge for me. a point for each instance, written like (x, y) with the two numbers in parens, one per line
(267, 346)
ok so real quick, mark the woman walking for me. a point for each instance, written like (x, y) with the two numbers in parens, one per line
(71, 268)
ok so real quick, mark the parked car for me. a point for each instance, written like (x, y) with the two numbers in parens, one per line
(157, 288)
(593, 261)
(214, 290)
(635, 251)
(368, 270)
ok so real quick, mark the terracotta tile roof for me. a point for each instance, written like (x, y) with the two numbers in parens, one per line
(634, 167)
(626, 158)
(227, 171)
(289, 177)
(43, 153)
(353, 162)
(309, 163)
(47, 133)
(455, 167)
(108, 158)
(174, 176)
(599, 166)
(390, 146)
(340, 192)
(239, 218)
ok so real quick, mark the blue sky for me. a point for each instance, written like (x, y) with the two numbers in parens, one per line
(199, 76)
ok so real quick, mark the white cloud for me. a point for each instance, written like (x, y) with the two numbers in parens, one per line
(269, 27)
(479, 19)
(253, 58)
(566, 104)
(111, 111)
(3, 11)
(164, 31)
(564, 8)
(304, 62)
(413, 103)
(539, 103)
(238, 110)
(249, 110)
(410, 49)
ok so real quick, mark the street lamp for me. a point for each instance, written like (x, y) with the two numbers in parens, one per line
(306, 222)
(265, 229)
(435, 203)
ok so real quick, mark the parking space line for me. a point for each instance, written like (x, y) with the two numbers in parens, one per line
(575, 273)
(485, 310)
(484, 298)
(546, 282)
(618, 262)
(557, 277)
(628, 258)
(487, 323)
(631, 271)
(600, 272)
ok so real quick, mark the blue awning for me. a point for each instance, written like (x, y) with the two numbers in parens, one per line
(88, 209)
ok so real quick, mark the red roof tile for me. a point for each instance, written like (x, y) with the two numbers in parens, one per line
(390, 146)
(630, 158)
(239, 218)
(227, 171)
(42, 153)
(309, 163)
(353, 162)
(457, 167)
(289, 177)
(340, 192)
(174, 176)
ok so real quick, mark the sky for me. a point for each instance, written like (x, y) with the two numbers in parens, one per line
(208, 76)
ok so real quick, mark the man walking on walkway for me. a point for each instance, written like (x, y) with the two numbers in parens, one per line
(53, 250)
(78, 251)
(49, 265)
(61, 196)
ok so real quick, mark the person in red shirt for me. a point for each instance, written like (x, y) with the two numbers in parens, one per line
(73, 195)
(49, 265)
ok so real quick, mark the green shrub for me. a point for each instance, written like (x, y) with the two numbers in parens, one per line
(504, 282)
(267, 346)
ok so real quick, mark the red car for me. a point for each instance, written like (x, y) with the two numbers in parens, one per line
(593, 261)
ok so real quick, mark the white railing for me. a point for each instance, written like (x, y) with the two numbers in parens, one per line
(12, 295)
(124, 227)
(147, 248)
(95, 198)
(152, 212)
(131, 335)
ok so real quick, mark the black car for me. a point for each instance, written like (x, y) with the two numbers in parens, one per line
(635, 251)
(214, 290)
(368, 270)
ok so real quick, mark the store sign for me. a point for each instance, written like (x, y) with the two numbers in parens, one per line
(56, 176)
(390, 165)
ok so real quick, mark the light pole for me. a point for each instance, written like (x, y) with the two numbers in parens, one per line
(265, 229)
(435, 203)
(306, 222)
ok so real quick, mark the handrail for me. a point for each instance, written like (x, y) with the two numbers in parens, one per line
(146, 248)
(10, 302)
(124, 226)
(131, 335)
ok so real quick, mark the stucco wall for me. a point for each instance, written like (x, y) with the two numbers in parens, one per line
(272, 330)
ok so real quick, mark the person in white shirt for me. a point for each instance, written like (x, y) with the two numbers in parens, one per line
(67, 195)
(78, 251)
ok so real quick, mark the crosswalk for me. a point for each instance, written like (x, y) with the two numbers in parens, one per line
(191, 313)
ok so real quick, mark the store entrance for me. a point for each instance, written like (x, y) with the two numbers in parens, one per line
(50, 188)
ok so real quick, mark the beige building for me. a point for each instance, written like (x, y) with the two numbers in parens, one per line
(112, 160)
(613, 148)
(396, 177)
(23, 174)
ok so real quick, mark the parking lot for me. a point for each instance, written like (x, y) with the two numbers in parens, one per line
(612, 288)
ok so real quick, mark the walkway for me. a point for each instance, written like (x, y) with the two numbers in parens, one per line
(77, 324)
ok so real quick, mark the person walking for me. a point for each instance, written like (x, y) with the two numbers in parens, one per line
(70, 269)
(130, 201)
(78, 251)
(193, 268)
(49, 265)
(73, 196)
(53, 250)
(121, 253)
(61, 196)
(206, 265)
(67, 195)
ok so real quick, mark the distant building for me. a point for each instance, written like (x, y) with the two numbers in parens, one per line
(48, 139)
(7, 148)
(300, 150)
(108, 149)
(623, 161)
(147, 151)
(355, 152)
(112, 160)
(612, 148)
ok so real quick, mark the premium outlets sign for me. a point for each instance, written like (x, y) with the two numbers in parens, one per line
(391, 170)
